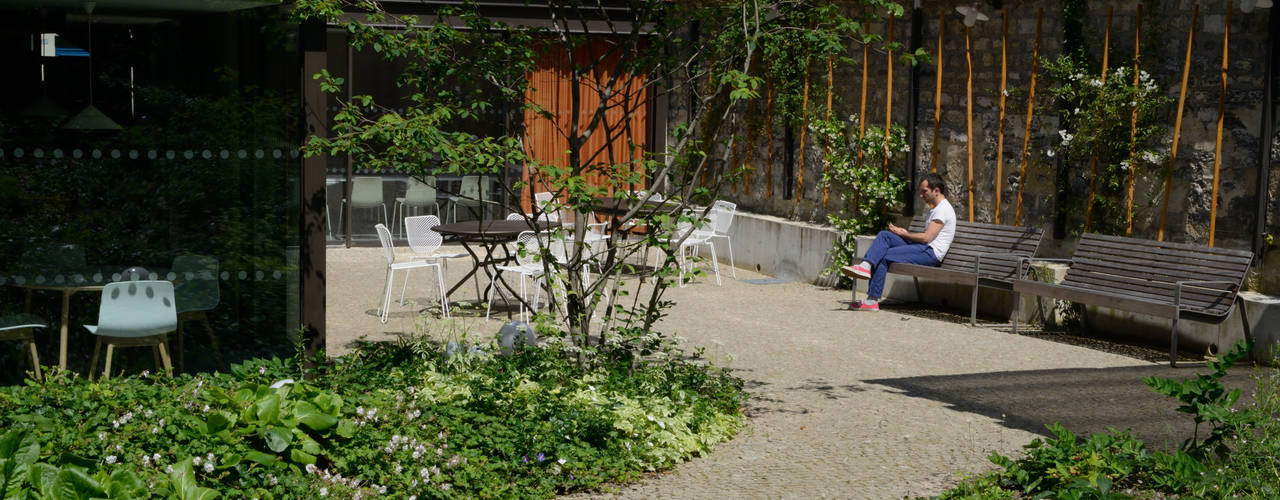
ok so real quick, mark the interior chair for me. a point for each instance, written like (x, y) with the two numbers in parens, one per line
(425, 243)
(19, 327)
(384, 236)
(686, 238)
(135, 314)
(472, 193)
(196, 290)
(528, 266)
(420, 195)
(366, 194)
(721, 215)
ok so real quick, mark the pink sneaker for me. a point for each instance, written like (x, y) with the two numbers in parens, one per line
(863, 306)
(857, 271)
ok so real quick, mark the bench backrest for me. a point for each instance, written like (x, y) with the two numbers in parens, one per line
(1147, 269)
(975, 238)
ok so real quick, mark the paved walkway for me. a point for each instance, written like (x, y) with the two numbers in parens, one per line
(843, 404)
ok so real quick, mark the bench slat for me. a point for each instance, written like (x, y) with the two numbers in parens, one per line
(1157, 273)
(1196, 299)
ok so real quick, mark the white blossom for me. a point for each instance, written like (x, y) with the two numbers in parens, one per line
(111, 459)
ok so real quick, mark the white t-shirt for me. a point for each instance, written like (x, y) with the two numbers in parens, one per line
(947, 215)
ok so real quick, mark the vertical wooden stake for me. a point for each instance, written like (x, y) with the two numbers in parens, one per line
(768, 137)
(1177, 123)
(888, 99)
(1093, 161)
(1222, 107)
(1004, 71)
(937, 92)
(804, 126)
(862, 108)
(968, 58)
(1133, 126)
(826, 165)
(1031, 104)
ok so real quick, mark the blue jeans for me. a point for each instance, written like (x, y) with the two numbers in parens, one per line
(889, 247)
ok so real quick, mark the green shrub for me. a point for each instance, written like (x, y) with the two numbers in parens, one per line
(394, 420)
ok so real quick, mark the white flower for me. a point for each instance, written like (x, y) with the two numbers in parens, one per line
(195, 460)
(146, 460)
(262, 370)
(102, 436)
(324, 492)
(1049, 153)
(310, 468)
(208, 467)
(156, 457)
(561, 461)
(205, 409)
(168, 469)
(1150, 156)
(147, 413)
(111, 459)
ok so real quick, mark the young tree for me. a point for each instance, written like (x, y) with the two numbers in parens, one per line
(460, 62)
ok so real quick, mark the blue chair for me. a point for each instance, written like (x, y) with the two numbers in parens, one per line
(135, 314)
(196, 292)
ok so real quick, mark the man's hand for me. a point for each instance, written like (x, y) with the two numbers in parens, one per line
(897, 230)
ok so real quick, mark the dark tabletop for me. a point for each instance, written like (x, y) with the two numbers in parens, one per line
(620, 206)
(476, 230)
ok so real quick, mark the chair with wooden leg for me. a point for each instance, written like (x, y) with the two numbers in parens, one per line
(18, 327)
(135, 314)
(196, 293)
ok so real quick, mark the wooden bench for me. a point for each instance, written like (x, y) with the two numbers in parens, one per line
(1166, 280)
(984, 255)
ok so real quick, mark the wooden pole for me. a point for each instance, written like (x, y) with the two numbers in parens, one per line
(1031, 104)
(862, 108)
(751, 150)
(1004, 72)
(826, 165)
(1093, 161)
(804, 126)
(968, 58)
(768, 136)
(888, 99)
(937, 91)
(1133, 125)
(1222, 107)
(1177, 123)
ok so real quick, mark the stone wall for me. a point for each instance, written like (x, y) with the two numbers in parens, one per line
(1164, 30)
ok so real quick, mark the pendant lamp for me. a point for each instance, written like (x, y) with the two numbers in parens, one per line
(91, 118)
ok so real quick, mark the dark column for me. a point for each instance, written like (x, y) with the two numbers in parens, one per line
(312, 245)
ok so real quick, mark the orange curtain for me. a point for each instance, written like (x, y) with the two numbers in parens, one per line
(619, 140)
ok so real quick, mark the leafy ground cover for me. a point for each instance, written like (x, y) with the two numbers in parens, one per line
(1230, 455)
(403, 421)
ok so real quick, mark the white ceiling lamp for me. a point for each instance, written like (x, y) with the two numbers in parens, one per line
(91, 118)
(972, 15)
(1248, 5)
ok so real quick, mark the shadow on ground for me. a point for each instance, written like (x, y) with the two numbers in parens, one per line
(1084, 400)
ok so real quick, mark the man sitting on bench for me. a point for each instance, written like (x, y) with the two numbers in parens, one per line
(899, 245)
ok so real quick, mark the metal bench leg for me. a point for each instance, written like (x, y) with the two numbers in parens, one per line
(1173, 341)
(919, 296)
(1244, 321)
(1017, 310)
(973, 306)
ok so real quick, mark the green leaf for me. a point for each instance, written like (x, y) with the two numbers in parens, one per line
(19, 445)
(126, 485)
(311, 416)
(72, 483)
(277, 438)
(262, 458)
(267, 409)
(302, 457)
(216, 421)
(41, 475)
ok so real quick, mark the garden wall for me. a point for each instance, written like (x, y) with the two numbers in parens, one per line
(1054, 192)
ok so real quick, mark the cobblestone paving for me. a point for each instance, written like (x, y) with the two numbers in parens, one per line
(843, 404)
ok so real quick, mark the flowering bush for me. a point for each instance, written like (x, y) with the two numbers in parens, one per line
(397, 421)
(866, 192)
(1098, 119)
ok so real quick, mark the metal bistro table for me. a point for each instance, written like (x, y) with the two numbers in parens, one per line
(490, 235)
(69, 283)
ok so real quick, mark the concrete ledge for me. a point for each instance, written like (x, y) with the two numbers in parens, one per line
(781, 248)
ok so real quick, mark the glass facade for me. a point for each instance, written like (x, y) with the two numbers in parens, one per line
(187, 172)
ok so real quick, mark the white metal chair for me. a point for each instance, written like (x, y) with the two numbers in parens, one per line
(366, 193)
(474, 191)
(528, 266)
(135, 314)
(419, 195)
(18, 327)
(687, 237)
(384, 236)
(721, 215)
(425, 243)
(196, 292)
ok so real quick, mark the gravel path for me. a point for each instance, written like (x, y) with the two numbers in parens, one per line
(843, 404)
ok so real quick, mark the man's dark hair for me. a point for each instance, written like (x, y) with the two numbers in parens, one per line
(934, 181)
